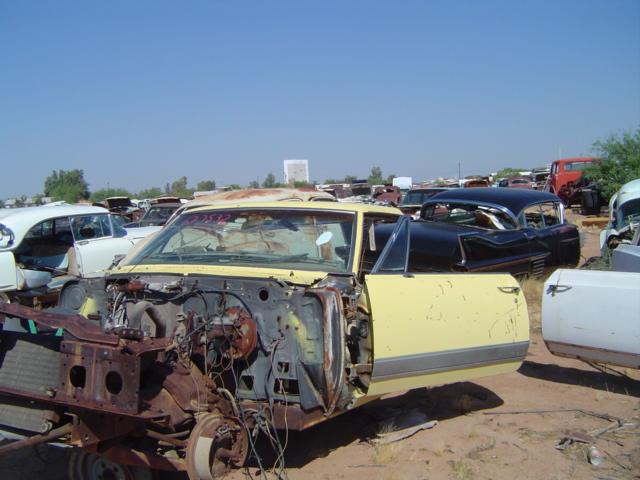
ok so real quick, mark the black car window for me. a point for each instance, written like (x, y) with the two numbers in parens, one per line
(470, 215)
(542, 215)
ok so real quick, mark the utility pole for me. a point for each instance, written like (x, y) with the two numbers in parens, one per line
(459, 170)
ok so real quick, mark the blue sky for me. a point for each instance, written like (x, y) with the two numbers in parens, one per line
(140, 93)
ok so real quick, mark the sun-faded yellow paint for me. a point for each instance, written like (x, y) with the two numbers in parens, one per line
(440, 312)
(298, 277)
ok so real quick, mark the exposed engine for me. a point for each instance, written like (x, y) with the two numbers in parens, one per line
(183, 363)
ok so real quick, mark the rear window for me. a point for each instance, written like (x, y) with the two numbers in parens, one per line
(470, 215)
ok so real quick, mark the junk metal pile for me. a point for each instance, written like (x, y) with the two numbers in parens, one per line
(242, 319)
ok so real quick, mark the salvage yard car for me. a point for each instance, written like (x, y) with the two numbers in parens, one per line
(244, 318)
(575, 302)
(156, 215)
(624, 216)
(523, 232)
(42, 249)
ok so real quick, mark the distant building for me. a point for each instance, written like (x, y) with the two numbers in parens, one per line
(296, 171)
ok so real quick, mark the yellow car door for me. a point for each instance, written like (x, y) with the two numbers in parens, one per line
(431, 329)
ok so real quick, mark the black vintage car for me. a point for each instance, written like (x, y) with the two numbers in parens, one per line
(522, 232)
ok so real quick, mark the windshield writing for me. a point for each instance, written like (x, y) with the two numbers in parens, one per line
(293, 239)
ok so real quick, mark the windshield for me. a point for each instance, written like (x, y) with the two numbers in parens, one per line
(419, 197)
(291, 239)
(576, 166)
(629, 212)
(159, 213)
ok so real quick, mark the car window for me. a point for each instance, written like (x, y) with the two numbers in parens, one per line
(628, 212)
(395, 255)
(40, 230)
(57, 227)
(87, 227)
(413, 198)
(542, 215)
(469, 215)
(159, 213)
(374, 239)
(61, 226)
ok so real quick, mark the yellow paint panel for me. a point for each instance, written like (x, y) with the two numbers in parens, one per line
(294, 276)
(430, 313)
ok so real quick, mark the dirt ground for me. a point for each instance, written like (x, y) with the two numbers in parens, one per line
(501, 427)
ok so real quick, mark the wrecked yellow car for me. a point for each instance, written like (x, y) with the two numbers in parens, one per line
(239, 320)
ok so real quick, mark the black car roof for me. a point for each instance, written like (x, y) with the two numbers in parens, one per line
(514, 199)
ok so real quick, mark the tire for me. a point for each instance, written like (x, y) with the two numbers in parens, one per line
(589, 203)
(72, 296)
(89, 466)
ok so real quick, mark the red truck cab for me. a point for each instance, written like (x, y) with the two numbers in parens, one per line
(564, 173)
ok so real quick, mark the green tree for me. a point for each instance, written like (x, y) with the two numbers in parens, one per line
(1, 203)
(179, 188)
(390, 178)
(302, 184)
(152, 192)
(234, 186)
(69, 186)
(619, 162)
(254, 184)
(376, 176)
(20, 201)
(349, 179)
(103, 193)
(270, 181)
(206, 185)
(510, 172)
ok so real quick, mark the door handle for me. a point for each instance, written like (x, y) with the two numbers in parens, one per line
(553, 289)
(509, 289)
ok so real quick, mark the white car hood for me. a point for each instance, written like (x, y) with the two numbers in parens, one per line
(138, 233)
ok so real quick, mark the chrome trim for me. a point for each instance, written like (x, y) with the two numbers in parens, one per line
(436, 362)
(593, 354)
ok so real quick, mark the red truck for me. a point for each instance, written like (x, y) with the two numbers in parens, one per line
(565, 173)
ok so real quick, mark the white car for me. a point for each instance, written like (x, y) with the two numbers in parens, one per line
(624, 215)
(594, 315)
(41, 249)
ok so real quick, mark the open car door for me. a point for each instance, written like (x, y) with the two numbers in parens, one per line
(431, 329)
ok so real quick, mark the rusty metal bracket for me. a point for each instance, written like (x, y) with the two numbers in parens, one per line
(76, 325)
(99, 377)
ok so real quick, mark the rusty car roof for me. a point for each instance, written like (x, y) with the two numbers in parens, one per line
(304, 205)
